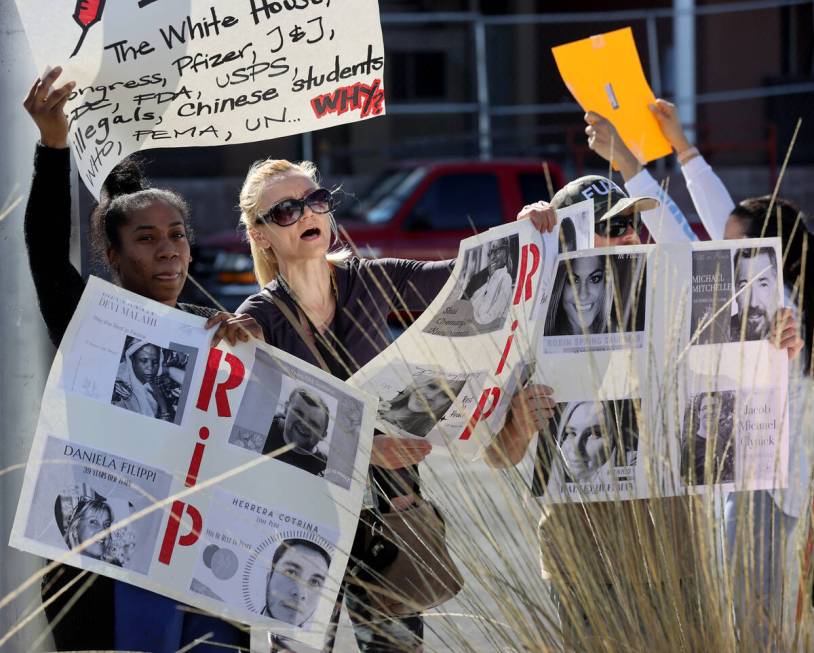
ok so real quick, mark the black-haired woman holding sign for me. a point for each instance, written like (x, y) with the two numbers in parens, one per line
(143, 234)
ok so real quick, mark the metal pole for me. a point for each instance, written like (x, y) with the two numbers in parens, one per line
(307, 146)
(684, 62)
(654, 66)
(484, 118)
(24, 347)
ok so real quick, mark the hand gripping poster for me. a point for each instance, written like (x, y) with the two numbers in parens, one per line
(217, 477)
(170, 73)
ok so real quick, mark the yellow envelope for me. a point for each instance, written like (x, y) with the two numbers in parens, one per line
(604, 74)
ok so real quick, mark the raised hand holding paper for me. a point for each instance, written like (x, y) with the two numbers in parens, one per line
(604, 74)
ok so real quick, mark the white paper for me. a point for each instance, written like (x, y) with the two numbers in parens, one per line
(157, 73)
(139, 415)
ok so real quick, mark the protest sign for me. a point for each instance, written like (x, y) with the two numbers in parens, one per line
(451, 376)
(614, 332)
(657, 398)
(604, 74)
(169, 465)
(177, 74)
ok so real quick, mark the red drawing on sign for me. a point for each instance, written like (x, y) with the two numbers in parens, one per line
(86, 15)
(365, 97)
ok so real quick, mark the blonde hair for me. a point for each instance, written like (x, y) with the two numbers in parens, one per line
(266, 266)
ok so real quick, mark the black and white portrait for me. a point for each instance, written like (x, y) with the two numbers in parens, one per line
(263, 559)
(481, 299)
(80, 496)
(586, 442)
(152, 380)
(597, 294)
(709, 423)
(567, 236)
(597, 302)
(758, 293)
(302, 421)
(418, 407)
(299, 420)
(296, 577)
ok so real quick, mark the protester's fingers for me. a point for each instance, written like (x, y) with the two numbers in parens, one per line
(217, 318)
(542, 215)
(395, 453)
(593, 118)
(32, 93)
(47, 82)
(58, 97)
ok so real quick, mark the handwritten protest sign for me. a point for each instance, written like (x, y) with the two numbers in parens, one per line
(189, 455)
(155, 73)
(604, 74)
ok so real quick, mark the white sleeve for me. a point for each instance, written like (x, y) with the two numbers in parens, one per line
(712, 201)
(667, 223)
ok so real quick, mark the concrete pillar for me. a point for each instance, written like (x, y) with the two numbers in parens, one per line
(24, 347)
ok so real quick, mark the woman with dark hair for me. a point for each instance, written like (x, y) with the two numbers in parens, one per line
(567, 236)
(143, 234)
(581, 297)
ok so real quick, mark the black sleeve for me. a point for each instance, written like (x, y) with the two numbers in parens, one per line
(47, 228)
(406, 284)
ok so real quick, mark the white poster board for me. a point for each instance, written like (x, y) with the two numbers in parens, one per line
(148, 464)
(170, 73)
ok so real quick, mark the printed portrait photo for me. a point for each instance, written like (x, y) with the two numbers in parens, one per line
(420, 405)
(482, 297)
(152, 380)
(758, 293)
(585, 443)
(709, 423)
(566, 236)
(597, 295)
(299, 420)
(263, 560)
(80, 496)
(711, 309)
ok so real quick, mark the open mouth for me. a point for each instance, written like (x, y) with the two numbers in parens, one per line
(311, 234)
(168, 276)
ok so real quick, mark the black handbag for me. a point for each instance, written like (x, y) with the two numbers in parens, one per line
(401, 561)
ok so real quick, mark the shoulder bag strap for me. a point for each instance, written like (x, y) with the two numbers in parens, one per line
(297, 324)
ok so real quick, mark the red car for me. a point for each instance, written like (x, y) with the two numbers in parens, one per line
(421, 211)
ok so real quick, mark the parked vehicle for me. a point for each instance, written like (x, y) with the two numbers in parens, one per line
(420, 210)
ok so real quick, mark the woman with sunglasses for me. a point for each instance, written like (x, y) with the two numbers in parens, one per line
(340, 304)
(142, 233)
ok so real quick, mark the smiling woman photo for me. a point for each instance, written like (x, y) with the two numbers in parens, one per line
(581, 299)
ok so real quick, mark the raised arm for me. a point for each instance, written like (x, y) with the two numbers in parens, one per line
(712, 200)
(666, 223)
(47, 222)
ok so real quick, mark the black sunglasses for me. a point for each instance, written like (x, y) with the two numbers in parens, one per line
(617, 226)
(289, 211)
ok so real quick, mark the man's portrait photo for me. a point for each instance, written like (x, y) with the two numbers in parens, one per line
(316, 422)
(757, 293)
(294, 584)
(304, 424)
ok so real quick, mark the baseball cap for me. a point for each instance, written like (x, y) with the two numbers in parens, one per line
(609, 199)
